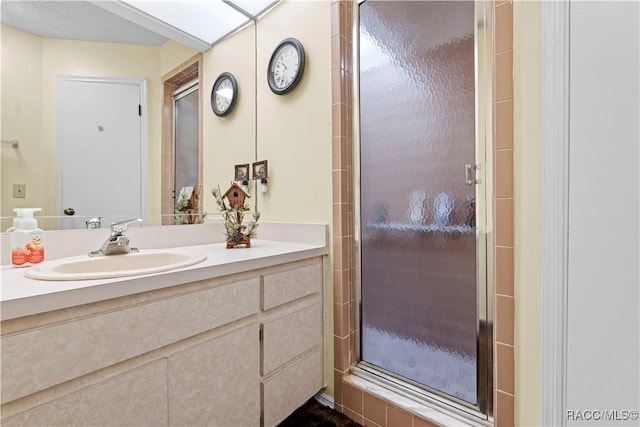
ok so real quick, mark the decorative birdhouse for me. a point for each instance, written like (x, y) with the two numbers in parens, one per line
(238, 234)
(235, 195)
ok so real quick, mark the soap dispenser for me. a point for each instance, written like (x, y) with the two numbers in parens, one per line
(14, 227)
(27, 240)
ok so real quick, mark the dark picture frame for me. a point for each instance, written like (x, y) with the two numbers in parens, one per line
(242, 172)
(260, 170)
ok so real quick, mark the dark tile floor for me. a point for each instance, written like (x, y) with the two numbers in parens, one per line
(314, 414)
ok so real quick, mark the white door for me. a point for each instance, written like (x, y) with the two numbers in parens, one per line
(603, 315)
(100, 146)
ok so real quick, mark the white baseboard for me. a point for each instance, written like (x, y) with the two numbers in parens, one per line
(325, 400)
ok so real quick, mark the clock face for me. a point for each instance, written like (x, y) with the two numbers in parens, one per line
(223, 94)
(286, 66)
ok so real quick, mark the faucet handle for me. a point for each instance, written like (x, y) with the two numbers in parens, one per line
(122, 226)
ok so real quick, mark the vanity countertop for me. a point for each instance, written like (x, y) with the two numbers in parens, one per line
(21, 296)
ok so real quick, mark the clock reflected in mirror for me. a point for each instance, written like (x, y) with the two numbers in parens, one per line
(224, 94)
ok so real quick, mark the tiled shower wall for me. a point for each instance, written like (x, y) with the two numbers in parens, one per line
(356, 403)
(503, 350)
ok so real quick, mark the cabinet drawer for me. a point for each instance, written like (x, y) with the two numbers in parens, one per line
(136, 398)
(286, 286)
(42, 358)
(290, 335)
(287, 390)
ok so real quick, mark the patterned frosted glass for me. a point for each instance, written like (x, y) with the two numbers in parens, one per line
(417, 90)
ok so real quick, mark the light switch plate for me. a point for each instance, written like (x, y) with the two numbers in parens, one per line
(19, 191)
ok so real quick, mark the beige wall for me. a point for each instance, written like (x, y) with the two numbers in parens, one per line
(30, 68)
(22, 109)
(526, 65)
(229, 140)
(294, 130)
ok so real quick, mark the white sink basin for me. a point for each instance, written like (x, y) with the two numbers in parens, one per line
(105, 267)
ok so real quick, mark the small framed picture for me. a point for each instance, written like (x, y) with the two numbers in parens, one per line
(242, 172)
(260, 170)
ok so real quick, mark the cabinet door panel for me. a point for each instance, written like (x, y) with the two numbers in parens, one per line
(217, 383)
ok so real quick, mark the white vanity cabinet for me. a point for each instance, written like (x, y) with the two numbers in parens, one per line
(292, 336)
(245, 349)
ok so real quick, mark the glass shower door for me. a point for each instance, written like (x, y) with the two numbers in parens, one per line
(186, 141)
(417, 211)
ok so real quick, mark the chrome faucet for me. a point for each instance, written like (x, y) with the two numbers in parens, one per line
(117, 243)
(94, 223)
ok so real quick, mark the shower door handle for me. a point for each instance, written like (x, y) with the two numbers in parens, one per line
(470, 174)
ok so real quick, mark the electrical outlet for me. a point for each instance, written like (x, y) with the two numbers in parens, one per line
(19, 191)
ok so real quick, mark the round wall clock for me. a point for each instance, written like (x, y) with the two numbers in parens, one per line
(224, 94)
(286, 66)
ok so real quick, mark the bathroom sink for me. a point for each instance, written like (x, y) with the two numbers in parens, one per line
(105, 267)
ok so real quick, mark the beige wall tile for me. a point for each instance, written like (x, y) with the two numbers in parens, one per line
(341, 353)
(503, 124)
(375, 409)
(504, 222)
(339, 152)
(418, 422)
(503, 27)
(504, 76)
(339, 254)
(503, 173)
(341, 319)
(369, 423)
(504, 410)
(338, 393)
(335, 19)
(504, 319)
(505, 366)
(397, 417)
(352, 398)
(353, 415)
(336, 56)
(340, 286)
(336, 81)
(504, 270)
(337, 119)
(340, 219)
(340, 186)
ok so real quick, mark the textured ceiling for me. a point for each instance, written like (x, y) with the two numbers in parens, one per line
(194, 23)
(75, 20)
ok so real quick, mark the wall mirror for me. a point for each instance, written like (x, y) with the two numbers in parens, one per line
(94, 40)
